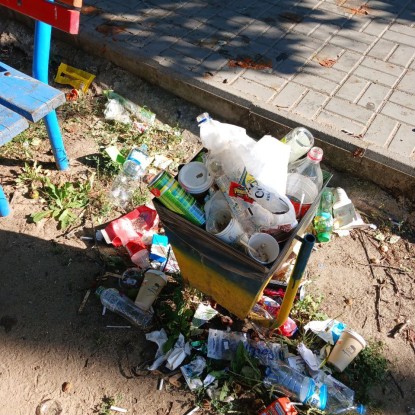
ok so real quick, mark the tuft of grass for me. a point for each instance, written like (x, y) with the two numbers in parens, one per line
(308, 309)
(64, 201)
(369, 369)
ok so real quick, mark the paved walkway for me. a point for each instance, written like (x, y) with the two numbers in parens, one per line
(344, 68)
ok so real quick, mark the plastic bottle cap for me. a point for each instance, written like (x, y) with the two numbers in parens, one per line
(323, 397)
(203, 117)
(315, 154)
(324, 237)
(99, 290)
(361, 409)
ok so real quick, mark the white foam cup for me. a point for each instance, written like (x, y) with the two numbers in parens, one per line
(349, 345)
(263, 248)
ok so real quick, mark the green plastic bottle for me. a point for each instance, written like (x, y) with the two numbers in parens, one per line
(323, 221)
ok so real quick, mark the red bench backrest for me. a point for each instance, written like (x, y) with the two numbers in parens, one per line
(55, 14)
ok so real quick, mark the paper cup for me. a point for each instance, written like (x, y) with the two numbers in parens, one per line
(223, 226)
(195, 179)
(153, 283)
(346, 349)
(302, 192)
(263, 248)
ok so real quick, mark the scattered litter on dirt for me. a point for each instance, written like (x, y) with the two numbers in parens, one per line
(365, 281)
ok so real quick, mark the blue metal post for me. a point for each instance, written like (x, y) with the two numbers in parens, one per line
(4, 204)
(43, 35)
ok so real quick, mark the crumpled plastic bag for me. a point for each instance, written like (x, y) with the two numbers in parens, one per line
(193, 371)
(313, 361)
(174, 356)
(116, 112)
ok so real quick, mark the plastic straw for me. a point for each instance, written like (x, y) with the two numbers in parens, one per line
(301, 203)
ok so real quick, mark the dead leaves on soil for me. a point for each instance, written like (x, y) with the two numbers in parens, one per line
(249, 63)
(327, 63)
(110, 30)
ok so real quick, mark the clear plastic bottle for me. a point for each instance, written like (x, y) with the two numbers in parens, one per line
(323, 221)
(305, 180)
(300, 140)
(127, 180)
(338, 404)
(123, 306)
(296, 384)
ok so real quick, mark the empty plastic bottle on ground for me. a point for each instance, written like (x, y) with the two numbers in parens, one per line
(129, 177)
(123, 306)
(296, 384)
(323, 221)
(337, 404)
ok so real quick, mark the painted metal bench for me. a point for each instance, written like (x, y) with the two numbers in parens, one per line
(23, 98)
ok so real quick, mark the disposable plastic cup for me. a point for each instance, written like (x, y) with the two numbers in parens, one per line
(195, 179)
(302, 192)
(224, 227)
(263, 248)
(153, 283)
(349, 345)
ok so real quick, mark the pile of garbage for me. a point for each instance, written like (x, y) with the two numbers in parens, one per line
(251, 195)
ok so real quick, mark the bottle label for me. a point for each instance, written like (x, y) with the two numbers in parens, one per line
(137, 157)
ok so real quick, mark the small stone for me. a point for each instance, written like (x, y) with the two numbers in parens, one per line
(384, 248)
(66, 386)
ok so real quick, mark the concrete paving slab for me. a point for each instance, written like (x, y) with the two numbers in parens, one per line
(343, 68)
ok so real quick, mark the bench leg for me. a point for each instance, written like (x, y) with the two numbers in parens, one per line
(4, 204)
(43, 34)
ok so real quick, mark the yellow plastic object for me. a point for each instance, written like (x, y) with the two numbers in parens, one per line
(77, 78)
(295, 280)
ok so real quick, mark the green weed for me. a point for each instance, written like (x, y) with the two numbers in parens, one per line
(64, 201)
(32, 176)
(369, 369)
(308, 309)
(107, 402)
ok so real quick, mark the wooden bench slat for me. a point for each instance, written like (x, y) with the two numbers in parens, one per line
(26, 96)
(11, 124)
(48, 12)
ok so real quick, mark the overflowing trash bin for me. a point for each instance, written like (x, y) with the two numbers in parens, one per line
(220, 249)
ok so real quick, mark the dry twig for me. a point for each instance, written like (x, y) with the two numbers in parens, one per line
(362, 241)
(399, 328)
(384, 266)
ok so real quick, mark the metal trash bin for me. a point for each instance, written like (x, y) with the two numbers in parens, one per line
(230, 277)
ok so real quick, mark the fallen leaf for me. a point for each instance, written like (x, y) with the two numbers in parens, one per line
(110, 30)
(393, 239)
(363, 10)
(90, 10)
(328, 63)
(249, 63)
